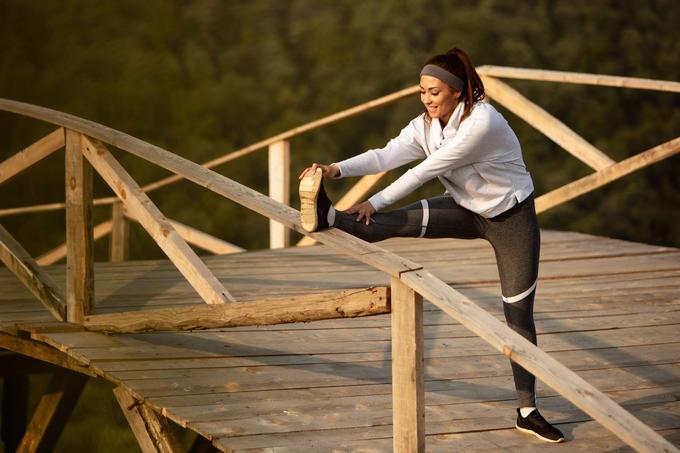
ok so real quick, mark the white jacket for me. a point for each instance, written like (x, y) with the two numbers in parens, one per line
(479, 161)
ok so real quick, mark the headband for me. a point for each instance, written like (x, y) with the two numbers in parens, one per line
(442, 74)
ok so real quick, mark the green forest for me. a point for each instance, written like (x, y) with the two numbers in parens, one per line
(202, 78)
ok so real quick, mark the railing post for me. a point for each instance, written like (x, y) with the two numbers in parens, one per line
(408, 386)
(79, 232)
(279, 189)
(120, 230)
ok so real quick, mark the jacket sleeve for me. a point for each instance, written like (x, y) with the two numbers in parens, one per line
(467, 146)
(399, 151)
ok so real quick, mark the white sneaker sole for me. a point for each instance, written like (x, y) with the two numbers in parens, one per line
(309, 192)
(528, 431)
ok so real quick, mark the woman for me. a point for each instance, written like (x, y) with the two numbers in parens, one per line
(475, 154)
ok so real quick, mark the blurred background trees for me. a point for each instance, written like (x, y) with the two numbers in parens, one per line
(205, 77)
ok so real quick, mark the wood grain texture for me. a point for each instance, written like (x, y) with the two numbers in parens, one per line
(408, 384)
(346, 304)
(153, 432)
(79, 231)
(38, 282)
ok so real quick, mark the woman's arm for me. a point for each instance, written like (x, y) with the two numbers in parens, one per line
(400, 150)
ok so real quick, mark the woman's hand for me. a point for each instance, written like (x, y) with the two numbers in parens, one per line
(364, 210)
(328, 171)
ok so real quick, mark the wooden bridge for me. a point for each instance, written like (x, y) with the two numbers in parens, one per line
(225, 346)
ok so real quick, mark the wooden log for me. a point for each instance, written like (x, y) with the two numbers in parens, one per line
(120, 234)
(607, 175)
(356, 194)
(60, 252)
(279, 190)
(408, 385)
(31, 275)
(141, 207)
(42, 352)
(579, 78)
(540, 364)
(79, 234)
(545, 123)
(14, 410)
(344, 304)
(53, 411)
(154, 433)
(32, 154)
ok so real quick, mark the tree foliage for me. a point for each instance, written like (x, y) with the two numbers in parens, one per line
(205, 77)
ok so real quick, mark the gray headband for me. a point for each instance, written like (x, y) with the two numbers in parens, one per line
(442, 74)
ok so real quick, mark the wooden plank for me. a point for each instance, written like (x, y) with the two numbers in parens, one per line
(279, 190)
(579, 78)
(205, 241)
(142, 208)
(60, 252)
(119, 244)
(32, 154)
(349, 303)
(533, 359)
(52, 413)
(42, 352)
(356, 194)
(408, 385)
(545, 123)
(14, 410)
(153, 432)
(41, 285)
(607, 175)
(79, 234)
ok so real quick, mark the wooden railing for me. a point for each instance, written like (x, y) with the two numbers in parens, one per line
(86, 143)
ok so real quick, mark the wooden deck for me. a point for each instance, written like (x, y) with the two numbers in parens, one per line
(607, 309)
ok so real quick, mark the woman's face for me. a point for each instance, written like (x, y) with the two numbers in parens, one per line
(438, 98)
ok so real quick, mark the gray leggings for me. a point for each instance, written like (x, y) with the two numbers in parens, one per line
(514, 236)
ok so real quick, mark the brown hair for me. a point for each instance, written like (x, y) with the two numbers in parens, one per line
(458, 63)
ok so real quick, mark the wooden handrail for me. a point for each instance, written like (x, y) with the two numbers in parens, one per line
(580, 78)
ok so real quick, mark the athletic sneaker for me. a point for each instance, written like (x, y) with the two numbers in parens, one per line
(314, 203)
(535, 424)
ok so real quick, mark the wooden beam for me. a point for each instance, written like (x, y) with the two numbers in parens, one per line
(205, 241)
(356, 194)
(579, 78)
(79, 234)
(612, 416)
(120, 234)
(142, 208)
(53, 411)
(31, 275)
(345, 304)
(43, 352)
(14, 410)
(32, 154)
(408, 384)
(545, 123)
(154, 432)
(279, 190)
(61, 251)
(607, 175)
